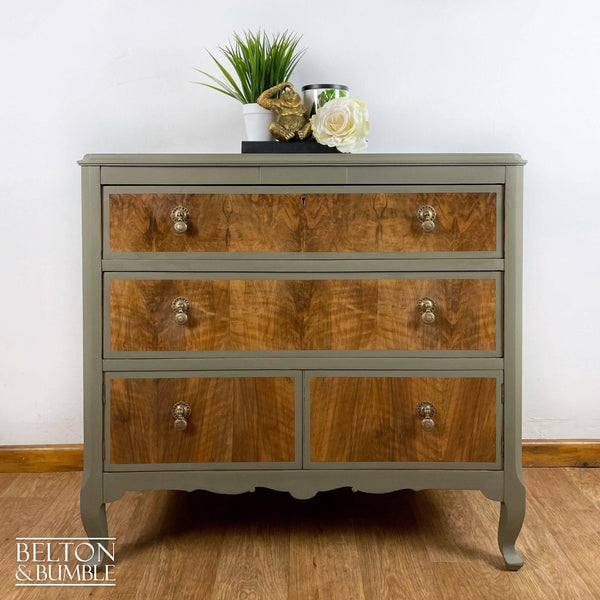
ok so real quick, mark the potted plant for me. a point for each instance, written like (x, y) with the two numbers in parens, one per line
(257, 62)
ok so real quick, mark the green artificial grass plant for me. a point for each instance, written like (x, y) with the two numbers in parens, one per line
(258, 61)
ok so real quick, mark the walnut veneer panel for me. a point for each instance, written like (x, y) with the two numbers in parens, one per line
(355, 419)
(233, 419)
(344, 314)
(466, 221)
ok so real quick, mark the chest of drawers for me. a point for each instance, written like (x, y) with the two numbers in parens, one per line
(302, 323)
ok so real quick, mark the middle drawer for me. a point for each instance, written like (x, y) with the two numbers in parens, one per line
(433, 313)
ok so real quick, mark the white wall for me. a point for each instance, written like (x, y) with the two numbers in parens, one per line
(438, 76)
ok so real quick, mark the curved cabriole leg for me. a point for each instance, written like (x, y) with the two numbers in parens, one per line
(512, 513)
(93, 517)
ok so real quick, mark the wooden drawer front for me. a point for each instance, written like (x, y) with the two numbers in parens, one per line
(374, 419)
(303, 222)
(290, 314)
(232, 420)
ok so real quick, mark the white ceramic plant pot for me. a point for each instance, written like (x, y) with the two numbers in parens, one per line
(257, 120)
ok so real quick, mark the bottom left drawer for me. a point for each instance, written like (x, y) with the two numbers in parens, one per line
(205, 420)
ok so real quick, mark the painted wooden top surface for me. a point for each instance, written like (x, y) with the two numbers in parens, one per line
(301, 159)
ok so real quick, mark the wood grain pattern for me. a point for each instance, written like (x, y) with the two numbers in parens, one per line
(561, 453)
(375, 419)
(466, 221)
(234, 419)
(344, 314)
(339, 545)
(41, 458)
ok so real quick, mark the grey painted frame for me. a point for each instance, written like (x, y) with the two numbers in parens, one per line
(505, 485)
(233, 466)
(92, 504)
(512, 507)
(240, 160)
(324, 265)
(294, 173)
(292, 257)
(303, 363)
(303, 484)
(308, 464)
(497, 277)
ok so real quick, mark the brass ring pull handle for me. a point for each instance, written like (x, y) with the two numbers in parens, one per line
(426, 410)
(427, 308)
(181, 413)
(180, 216)
(426, 215)
(180, 306)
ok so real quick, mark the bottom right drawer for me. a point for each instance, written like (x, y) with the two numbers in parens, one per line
(436, 420)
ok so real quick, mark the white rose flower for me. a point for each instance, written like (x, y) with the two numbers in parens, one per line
(343, 123)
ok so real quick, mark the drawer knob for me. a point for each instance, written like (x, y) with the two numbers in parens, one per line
(180, 216)
(180, 307)
(181, 412)
(427, 308)
(426, 215)
(426, 410)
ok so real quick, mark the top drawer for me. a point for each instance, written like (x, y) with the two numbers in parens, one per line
(428, 221)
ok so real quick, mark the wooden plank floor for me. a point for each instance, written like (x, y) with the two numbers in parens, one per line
(338, 545)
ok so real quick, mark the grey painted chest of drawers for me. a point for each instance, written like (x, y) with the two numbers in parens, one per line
(303, 323)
